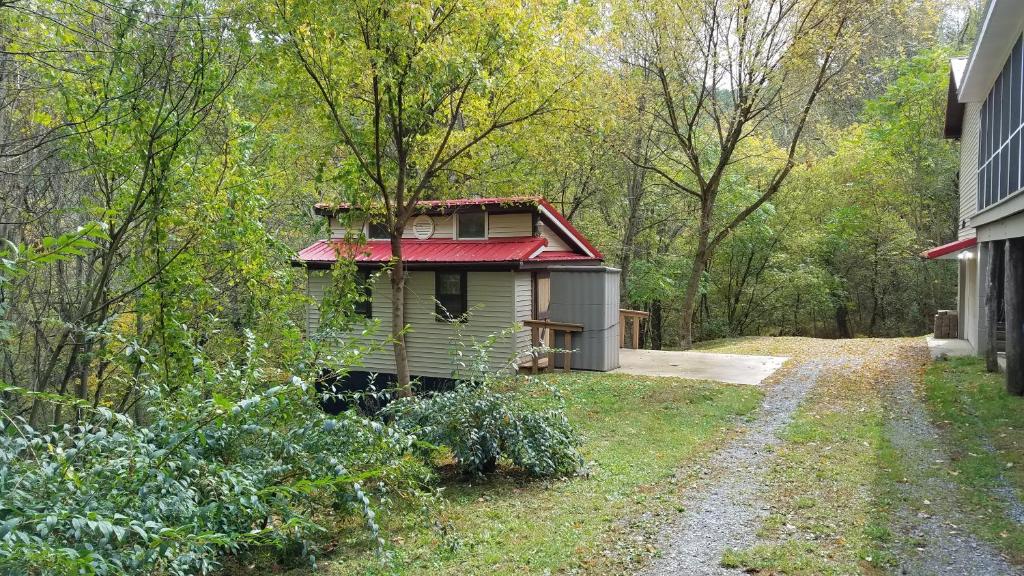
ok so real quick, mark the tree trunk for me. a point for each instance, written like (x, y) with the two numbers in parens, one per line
(656, 325)
(700, 262)
(842, 320)
(995, 274)
(398, 316)
(1013, 295)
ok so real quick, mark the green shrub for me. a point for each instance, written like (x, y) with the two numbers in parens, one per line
(249, 468)
(480, 425)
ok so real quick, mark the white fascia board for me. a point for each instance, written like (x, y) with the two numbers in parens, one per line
(1000, 28)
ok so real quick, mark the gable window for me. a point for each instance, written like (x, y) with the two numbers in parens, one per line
(364, 305)
(450, 294)
(472, 225)
(377, 231)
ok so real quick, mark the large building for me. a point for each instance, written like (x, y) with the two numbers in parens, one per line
(985, 113)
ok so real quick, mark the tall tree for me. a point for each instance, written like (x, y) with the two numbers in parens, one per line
(723, 71)
(413, 89)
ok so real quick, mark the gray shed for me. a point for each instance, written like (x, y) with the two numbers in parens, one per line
(588, 295)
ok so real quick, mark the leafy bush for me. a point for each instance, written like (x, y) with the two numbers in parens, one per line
(479, 425)
(229, 474)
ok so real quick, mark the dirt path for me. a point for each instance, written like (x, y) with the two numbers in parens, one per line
(929, 533)
(728, 505)
(725, 510)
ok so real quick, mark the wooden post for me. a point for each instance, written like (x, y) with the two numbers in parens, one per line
(622, 330)
(1013, 296)
(550, 346)
(636, 332)
(567, 355)
(534, 341)
(994, 276)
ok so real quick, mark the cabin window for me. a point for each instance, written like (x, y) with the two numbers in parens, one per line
(472, 225)
(377, 231)
(450, 294)
(364, 282)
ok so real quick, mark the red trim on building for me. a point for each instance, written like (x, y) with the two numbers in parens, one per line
(579, 238)
(946, 249)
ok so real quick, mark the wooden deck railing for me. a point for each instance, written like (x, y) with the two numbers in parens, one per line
(567, 329)
(634, 317)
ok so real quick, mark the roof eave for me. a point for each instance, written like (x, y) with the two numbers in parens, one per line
(1000, 28)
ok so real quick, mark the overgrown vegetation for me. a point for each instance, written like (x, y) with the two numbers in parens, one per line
(479, 425)
(986, 425)
(642, 440)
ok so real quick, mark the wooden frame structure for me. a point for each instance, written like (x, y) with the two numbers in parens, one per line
(567, 329)
(634, 317)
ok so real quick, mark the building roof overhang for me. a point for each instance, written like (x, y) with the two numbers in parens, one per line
(1000, 28)
(951, 250)
(490, 254)
(954, 107)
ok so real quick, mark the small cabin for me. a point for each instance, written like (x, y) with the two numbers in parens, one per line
(507, 262)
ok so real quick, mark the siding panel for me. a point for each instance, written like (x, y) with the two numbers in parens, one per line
(969, 168)
(492, 299)
(508, 225)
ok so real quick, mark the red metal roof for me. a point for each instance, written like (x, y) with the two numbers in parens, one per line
(494, 250)
(951, 248)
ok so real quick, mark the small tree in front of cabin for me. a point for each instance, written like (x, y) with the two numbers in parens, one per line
(412, 90)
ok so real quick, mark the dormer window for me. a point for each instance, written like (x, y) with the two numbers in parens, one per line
(472, 225)
(377, 231)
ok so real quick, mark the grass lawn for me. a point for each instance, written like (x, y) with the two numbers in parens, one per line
(639, 434)
(986, 425)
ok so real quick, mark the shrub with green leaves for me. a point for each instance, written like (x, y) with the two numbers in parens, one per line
(234, 473)
(481, 425)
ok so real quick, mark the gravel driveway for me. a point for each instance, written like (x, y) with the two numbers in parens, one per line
(726, 507)
(724, 510)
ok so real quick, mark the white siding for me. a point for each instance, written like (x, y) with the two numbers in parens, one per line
(443, 227)
(524, 310)
(507, 225)
(340, 228)
(969, 167)
(555, 241)
(492, 297)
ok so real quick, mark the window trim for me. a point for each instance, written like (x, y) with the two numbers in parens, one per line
(458, 227)
(998, 132)
(364, 280)
(369, 226)
(441, 313)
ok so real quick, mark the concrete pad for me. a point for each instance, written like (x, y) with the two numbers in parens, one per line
(731, 368)
(939, 347)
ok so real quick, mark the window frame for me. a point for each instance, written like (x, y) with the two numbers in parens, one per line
(458, 225)
(442, 312)
(364, 281)
(370, 224)
(1001, 134)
